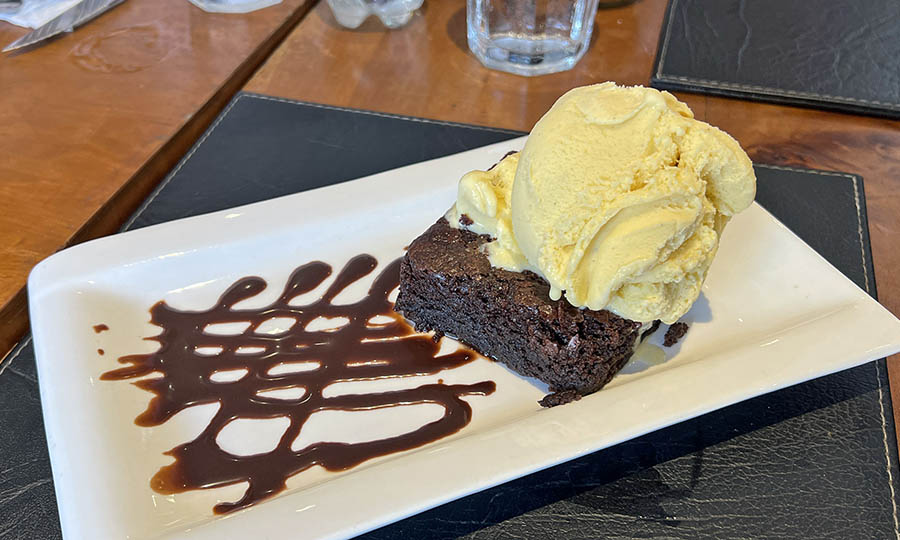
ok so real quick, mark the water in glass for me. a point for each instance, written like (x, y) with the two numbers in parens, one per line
(530, 37)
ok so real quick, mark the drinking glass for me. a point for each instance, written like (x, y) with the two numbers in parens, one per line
(233, 6)
(392, 13)
(530, 37)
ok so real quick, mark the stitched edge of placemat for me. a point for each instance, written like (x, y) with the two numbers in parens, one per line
(680, 82)
(858, 194)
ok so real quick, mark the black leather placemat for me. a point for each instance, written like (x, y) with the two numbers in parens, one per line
(813, 461)
(840, 55)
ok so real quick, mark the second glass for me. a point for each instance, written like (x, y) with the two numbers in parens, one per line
(530, 37)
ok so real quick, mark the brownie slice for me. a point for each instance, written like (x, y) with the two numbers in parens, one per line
(447, 284)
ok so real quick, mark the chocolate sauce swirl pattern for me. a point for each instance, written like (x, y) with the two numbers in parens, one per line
(361, 349)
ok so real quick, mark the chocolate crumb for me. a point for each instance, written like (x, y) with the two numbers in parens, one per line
(465, 220)
(560, 398)
(674, 333)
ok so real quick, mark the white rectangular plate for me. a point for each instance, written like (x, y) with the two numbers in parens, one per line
(773, 313)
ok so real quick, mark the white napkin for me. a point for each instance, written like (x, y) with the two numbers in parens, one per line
(34, 13)
(233, 6)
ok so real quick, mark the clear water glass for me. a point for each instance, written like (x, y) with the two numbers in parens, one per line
(392, 13)
(530, 37)
(233, 6)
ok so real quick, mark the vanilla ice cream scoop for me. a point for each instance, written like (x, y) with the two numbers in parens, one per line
(618, 200)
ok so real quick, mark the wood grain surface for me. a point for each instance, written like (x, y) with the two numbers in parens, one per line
(92, 120)
(425, 69)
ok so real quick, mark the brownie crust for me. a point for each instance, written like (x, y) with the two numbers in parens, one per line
(447, 285)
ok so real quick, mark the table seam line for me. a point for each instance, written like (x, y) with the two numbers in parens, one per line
(881, 409)
(29, 378)
(777, 91)
(862, 251)
(178, 167)
(381, 114)
(665, 48)
(22, 344)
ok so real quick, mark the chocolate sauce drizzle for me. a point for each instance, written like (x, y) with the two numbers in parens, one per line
(359, 350)
(100, 328)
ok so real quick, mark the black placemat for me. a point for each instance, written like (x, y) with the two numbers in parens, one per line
(814, 460)
(840, 55)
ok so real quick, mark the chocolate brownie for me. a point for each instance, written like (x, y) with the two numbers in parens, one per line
(447, 284)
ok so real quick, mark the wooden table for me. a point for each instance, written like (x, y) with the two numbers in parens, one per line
(90, 122)
(425, 70)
